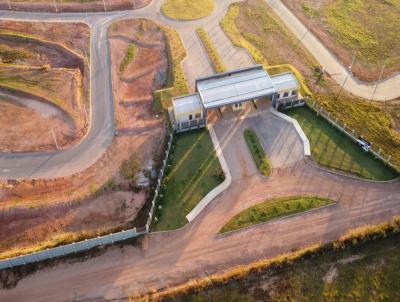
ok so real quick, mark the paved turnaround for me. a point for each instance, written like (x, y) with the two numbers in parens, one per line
(101, 130)
(167, 258)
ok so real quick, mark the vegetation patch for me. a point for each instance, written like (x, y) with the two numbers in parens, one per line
(257, 152)
(130, 169)
(272, 209)
(216, 61)
(187, 9)
(360, 266)
(176, 84)
(331, 148)
(193, 171)
(128, 58)
(10, 56)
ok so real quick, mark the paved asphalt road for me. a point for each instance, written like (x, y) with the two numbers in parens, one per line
(171, 257)
(101, 131)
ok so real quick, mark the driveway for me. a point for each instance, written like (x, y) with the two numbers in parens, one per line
(279, 138)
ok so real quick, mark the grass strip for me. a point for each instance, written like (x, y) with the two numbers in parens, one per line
(272, 209)
(128, 58)
(257, 152)
(216, 61)
(187, 9)
(193, 171)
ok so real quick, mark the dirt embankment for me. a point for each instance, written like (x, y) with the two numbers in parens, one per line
(43, 65)
(72, 5)
(98, 199)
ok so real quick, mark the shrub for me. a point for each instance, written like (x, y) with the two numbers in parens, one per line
(130, 169)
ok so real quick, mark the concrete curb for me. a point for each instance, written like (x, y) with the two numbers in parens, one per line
(295, 123)
(218, 190)
(277, 220)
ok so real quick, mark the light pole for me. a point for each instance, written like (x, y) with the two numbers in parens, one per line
(372, 99)
(347, 75)
(9, 4)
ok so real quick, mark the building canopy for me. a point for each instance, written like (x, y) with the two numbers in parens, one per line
(285, 82)
(234, 87)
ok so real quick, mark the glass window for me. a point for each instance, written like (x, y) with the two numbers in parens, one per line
(190, 117)
(286, 94)
(294, 92)
(197, 115)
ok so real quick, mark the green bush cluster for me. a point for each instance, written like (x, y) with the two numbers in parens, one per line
(257, 151)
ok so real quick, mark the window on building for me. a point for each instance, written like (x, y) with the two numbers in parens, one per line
(197, 115)
(286, 94)
(190, 117)
(294, 92)
(278, 96)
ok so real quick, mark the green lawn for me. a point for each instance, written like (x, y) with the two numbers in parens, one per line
(194, 171)
(333, 149)
(331, 277)
(257, 152)
(275, 208)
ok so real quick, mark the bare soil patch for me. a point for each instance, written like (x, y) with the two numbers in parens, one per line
(73, 5)
(98, 200)
(43, 63)
(369, 27)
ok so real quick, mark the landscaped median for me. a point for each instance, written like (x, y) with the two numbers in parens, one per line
(192, 172)
(187, 9)
(216, 61)
(272, 209)
(257, 152)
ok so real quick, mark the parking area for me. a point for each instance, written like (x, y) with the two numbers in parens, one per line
(279, 138)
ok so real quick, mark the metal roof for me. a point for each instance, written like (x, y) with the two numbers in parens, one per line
(187, 104)
(234, 87)
(285, 81)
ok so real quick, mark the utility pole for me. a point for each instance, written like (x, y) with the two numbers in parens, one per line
(104, 4)
(55, 6)
(134, 4)
(9, 4)
(309, 23)
(54, 138)
(347, 75)
(372, 99)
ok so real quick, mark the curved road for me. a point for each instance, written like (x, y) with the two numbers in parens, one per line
(101, 131)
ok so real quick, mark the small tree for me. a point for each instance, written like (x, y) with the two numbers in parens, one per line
(130, 169)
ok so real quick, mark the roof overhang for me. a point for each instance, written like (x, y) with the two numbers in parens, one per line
(234, 87)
